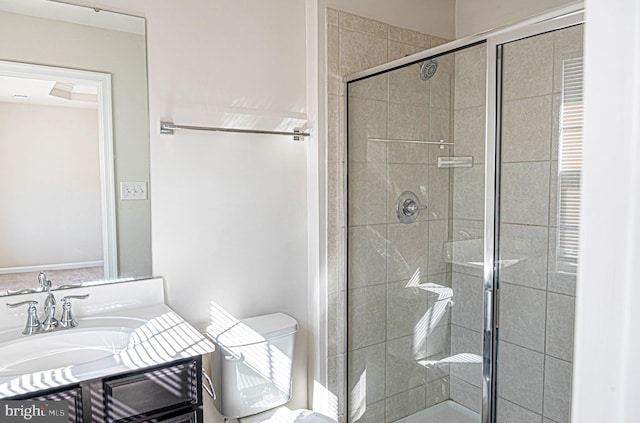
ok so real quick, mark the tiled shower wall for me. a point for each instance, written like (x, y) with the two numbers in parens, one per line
(468, 224)
(353, 44)
(537, 293)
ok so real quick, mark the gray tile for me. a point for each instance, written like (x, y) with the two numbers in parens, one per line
(470, 77)
(335, 259)
(371, 413)
(372, 88)
(553, 194)
(522, 316)
(335, 194)
(468, 193)
(438, 342)
(407, 253)
(410, 307)
(367, 193)
(360, 51)
(557, 390)
(525, 193)
(360, 24)
(436, 41)
(405, 307)
(405, 404)
(367, 312)
(469, 133)
(568, 44)
(466, 341)
(335, 132)
(468, 300)
(438, 235)
(367, 119)
(560, 323)
(437, 391)
(440, 125)
(528, 67)
(410, 37)
(562, 275)
(406, 87)
(335, 378)
(439, 193)
(332, 16)
(334, 77)
(521, 376)
(407, 177)
(366, 381)
(367, 255)
(408, 122)
(335, 323)
(408, 153)
(527, 245)
(465, 394)
(398, 50)
(526, 129)
(403, 371)
(442, 83)
(555, 126)
(509, 412)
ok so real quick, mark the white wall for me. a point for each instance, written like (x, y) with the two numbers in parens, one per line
(49, 185)
(607, 343)
(474, 16)
(229, 211)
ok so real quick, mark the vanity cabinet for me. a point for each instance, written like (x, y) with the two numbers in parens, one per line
(170, 393)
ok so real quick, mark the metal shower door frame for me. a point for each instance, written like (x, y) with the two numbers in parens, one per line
(566, 16)
(491, 311)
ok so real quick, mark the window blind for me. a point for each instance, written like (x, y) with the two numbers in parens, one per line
(570, 161)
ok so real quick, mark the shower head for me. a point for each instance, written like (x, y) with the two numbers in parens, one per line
(428, 68)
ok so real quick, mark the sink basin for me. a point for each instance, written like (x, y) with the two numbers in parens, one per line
(91, 340)
(106, 343)
(62, 348)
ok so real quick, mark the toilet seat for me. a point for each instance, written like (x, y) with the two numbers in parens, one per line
(284, 415)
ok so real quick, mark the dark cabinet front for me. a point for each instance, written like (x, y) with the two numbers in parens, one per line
(170, 393)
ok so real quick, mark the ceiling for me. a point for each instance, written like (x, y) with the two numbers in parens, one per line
(38, 91)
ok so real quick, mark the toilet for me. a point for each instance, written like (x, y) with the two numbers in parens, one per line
(252, 368)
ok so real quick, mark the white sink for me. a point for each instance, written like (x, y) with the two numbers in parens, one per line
(114, 335)
(93, 339)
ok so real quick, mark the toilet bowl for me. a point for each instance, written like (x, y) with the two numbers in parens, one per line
(252, 370)
(284, 415)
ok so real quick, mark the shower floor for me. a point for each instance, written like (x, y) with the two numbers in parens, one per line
(445, 412)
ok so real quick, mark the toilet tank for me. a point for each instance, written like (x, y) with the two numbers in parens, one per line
(252, 365)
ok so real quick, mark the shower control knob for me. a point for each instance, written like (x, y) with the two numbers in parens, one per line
(408, 207)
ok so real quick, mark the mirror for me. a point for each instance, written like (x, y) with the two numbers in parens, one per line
(74, 146)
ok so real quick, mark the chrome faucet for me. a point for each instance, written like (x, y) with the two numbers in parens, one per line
(49, 321)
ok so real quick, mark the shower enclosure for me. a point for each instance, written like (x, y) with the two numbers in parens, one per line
(463, 176)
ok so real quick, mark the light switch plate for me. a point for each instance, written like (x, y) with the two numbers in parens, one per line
(133, 190)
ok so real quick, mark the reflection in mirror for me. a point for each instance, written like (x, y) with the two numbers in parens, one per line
(73, 137)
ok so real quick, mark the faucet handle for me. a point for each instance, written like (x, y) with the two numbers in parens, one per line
(33, 324)
(67, 319)
(32, 303)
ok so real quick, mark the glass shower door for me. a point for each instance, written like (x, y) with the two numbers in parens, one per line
(539, 214)
(415, 217)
